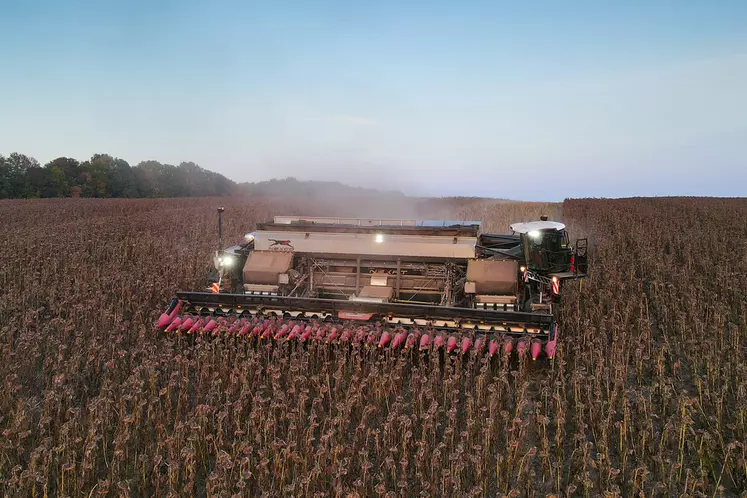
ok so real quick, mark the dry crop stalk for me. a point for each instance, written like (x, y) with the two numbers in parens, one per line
(77, 279)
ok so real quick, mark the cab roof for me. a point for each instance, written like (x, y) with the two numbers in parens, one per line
(530, 226)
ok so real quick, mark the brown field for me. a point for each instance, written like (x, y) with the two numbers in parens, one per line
(647, 395)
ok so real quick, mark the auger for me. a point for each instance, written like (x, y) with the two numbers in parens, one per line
(387, 284)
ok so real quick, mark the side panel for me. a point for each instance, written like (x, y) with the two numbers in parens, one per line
(367, 244)
(493, 276)
(263, 267)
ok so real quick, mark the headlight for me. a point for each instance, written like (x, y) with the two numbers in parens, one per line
(379, 238)
(227, 261)
(249, 237)
(534, 234)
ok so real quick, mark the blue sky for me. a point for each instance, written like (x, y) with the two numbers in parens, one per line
(528, 100)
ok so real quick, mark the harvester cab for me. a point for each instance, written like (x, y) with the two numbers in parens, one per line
(548, 258)
(402, 283)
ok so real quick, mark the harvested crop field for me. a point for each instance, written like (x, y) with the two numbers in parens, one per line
(647, 394)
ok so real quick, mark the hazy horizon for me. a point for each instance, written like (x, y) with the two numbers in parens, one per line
(478, 98)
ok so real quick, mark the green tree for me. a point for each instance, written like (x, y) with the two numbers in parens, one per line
(106, 176)
(55, 184)
(147, 174)
(70, 168)
(15, 176)
(5, 190)
(36, 181)
(122, 179)
(97, 173)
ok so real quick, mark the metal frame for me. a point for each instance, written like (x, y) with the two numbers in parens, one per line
(427, 274)
(377, 310)
(451, 231)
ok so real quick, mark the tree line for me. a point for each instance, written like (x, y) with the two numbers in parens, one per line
(102, 175)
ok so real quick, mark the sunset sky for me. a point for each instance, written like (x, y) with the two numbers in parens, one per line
(523, 100)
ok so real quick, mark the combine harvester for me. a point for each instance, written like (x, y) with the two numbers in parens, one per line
(388, 283)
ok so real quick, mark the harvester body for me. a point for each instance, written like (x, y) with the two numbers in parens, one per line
(394, 277)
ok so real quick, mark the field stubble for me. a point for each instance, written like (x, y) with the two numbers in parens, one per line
(647, 393)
